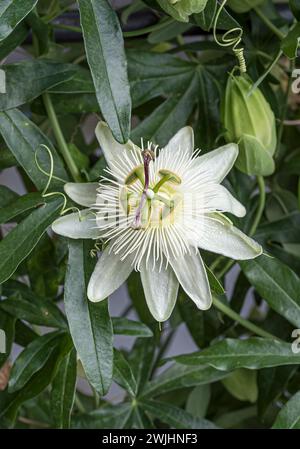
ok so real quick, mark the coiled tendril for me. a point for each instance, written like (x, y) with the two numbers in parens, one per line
(232, 38)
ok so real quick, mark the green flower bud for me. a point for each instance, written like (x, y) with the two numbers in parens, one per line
(182, 9)
(250, 122)
(244, 5)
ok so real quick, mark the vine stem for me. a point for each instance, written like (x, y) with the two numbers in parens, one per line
(268, 23)
(63, 147)
(242, 321)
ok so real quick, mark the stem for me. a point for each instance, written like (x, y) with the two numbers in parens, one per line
(243, 322)
(149, 29)
(61, 26)
(268, 23)
(63, 147)
(261, 204)
(79, 404)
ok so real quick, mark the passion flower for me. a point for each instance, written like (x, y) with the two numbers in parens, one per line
(153, 213)
(250, 122)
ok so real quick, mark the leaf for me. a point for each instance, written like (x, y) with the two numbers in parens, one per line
(205, 18)
(242, 385)
(7, 196)
(123, 374)
(42, 313)
(24, 140)
(28, 79)
(11, 13)
(277, 284)
(13, 40)
(179, 376)
(123, 326)
(290, 43)
(32, 359)
(198, 401)
(253, 353)
(106, 57)
(289, 415)
(16, 246)
(175, 416)
(141, 362)
(283, 230)
(295, 8)
(90, 323)
(63, 391)
(107, 417)
(20, 205)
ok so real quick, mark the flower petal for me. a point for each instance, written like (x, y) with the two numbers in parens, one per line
(83, 194)
(161, 288)
(192, 276)
(220, 236)
(218, 198)
(109, 274)
(182, 141)
(113, 149)
(77, 226)
(216, 164)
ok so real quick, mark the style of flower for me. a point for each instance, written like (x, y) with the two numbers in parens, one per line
(153, 211)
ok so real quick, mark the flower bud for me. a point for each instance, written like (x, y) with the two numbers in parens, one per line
(250, 122)
(182, 9)
(241, 6)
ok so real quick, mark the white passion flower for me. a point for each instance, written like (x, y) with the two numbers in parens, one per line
(154, 211)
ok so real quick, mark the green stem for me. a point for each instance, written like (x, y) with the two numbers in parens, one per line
(61, 26)
(268, 23)
(149, 29)
(261, 204)
(242, 321)
(79, 404)
(62, 145)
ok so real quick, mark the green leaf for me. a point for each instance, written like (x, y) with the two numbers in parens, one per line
(90, 323)
(123, 326)
(295, 8)
(283, 230)
(290, 43)
(205, 19)
(141, 362)
(33, 358)
(24, 140)
(11, 13)
(63, 391)
(277, 284)
(20, 205)
(179, 376)
(289, 416)
(123, 374)
(175, 416)
(106, 57)
(7, 196)
(198, 401)
(27, 80)
(107, 417)
(253, 353)
(42, 313)
(13, 40)
(242, 385)
(16, 246)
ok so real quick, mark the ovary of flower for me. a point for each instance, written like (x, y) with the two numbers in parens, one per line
(154, 214)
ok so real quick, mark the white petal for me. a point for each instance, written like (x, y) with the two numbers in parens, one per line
(220, 236)
(111, 148)
(77, 226)
(216, 164)
(161, 289)
(191, 274)
(182, 141)
(109, 274)
(83, 194)
(220, 199)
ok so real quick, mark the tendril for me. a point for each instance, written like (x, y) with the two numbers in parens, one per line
(231, 38)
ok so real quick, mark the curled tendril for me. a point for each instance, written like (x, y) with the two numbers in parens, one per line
(51, 176)
(97, 247)
(231, 38)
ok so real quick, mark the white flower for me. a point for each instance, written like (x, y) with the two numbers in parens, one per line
(154, 212)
